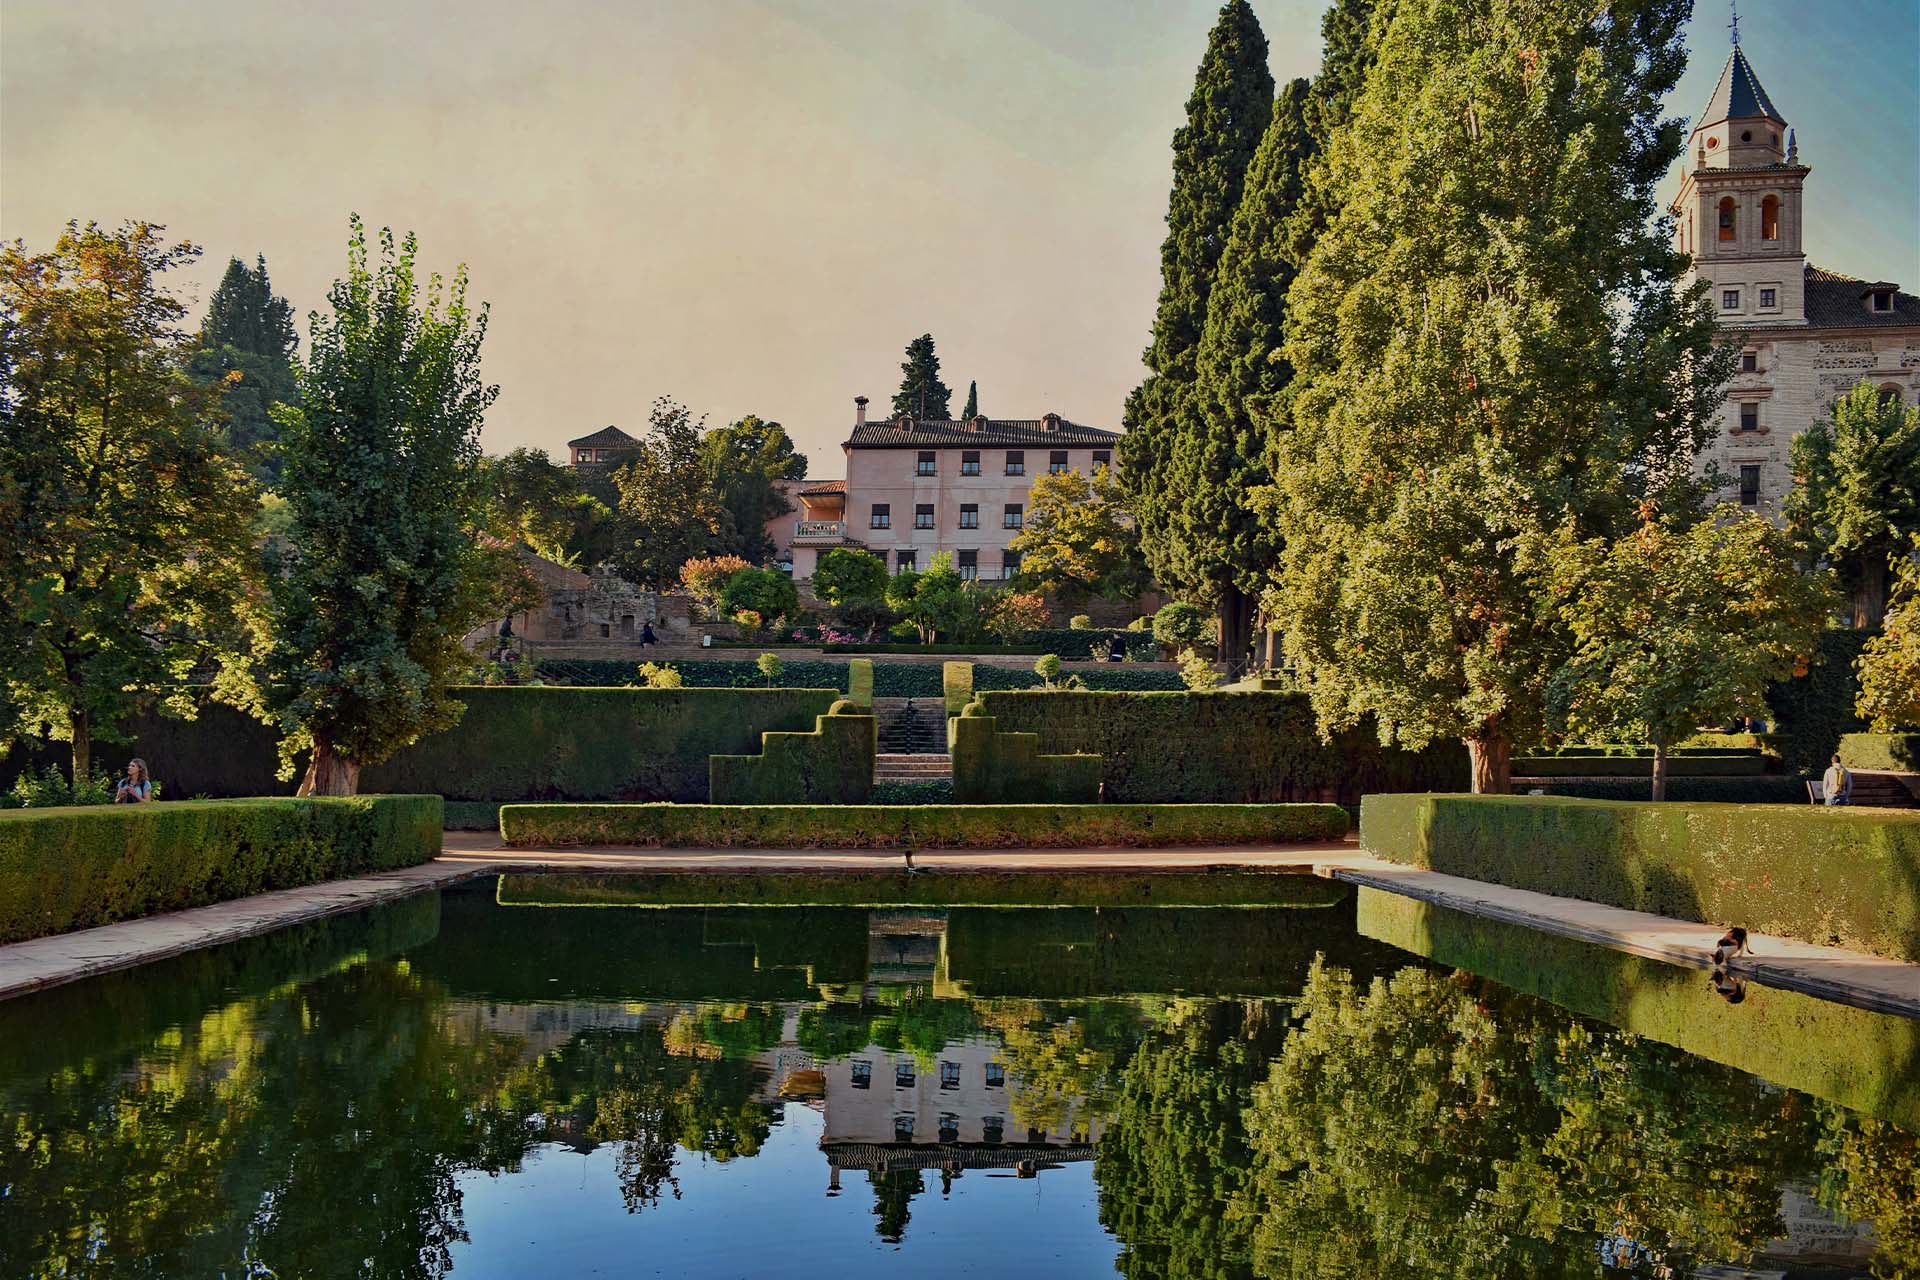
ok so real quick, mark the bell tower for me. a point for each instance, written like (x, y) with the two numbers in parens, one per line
(1738, 210)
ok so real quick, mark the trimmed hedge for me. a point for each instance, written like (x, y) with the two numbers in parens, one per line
(592, 744)
(1766, 788)
(831, 765)
(1222, 747)
(890, 679)
(796, 891)
(956, 685)
(1007, 768)
(957, 826)
(860, 682)
(72, 868)
(1836, 877)
(1881, 752)
(1816, 709)
(1636, 766)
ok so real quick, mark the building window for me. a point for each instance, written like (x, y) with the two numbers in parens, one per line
(923, 515)
(1056, 462)
(1750, 485)
(903, 562)
(1770, 218)
(903, 1074)
(949, 1127)
(996, 1075)
(926, 462)
(949, 1075)
(1103, 457)
(1749, 362)
(1729, 299)
(1883, 299)
(968, 562)
(1726, 218)
(969, 515)
(993, 1129)
(1768, 299)
(970, 463)
(1010, 564)
(1016, 462)
(882, 517)
(1015, 516)
(1889, 396)
(903, 1127)
(862, 1074)
(1749, 417)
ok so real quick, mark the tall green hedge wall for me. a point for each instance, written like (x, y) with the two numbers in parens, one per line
(1814, 710)
(831, 765)
(990, 767)
(890, 679)
(1834, 877)
(71, 868)
(1881, 752)
(1222, 747)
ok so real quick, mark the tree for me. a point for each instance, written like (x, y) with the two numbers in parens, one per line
(535, 500)
(383, 574)
(972, 410)
(767, 592)
(245, 351)
(1015, 613)
(922, 395)
(849, 573)
(770, 666)
(125, 537)
(1676, 628)
(1889, 664)
(1079, 540)
(1856, 498)
(704, 579)
(1227, 114)
(1488, 345)
(935, 601)
(746, 464)
(668, 501)
(1178, 625)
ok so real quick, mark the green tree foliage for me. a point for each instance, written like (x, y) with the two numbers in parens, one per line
(1079, 539)
(1487, 346)
(922, 395)
(535, 500)
(746, 464)
(667, 500)
(972, 410)
(1889, 664)
(382, 575)
(849, 573)
(936, 601)
(1227, 115)
(125, 542)
(1855, 503)
(767, 592)
(245, 350)
(1674, 629)
(1178, 625)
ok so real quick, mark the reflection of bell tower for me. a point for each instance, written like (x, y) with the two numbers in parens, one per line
(1738, 209)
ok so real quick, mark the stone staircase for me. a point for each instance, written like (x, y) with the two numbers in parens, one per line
(912, 727)
(897, 767)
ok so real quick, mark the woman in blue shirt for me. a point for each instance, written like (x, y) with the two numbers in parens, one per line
(136, 787)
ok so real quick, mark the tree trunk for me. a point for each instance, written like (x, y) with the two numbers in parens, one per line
(1492, 757)
(1659, 770)
(80, 729)
(1236, 630)
(330, 773)
(1870, 598)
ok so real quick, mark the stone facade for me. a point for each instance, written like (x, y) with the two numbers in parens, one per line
(1806, 336)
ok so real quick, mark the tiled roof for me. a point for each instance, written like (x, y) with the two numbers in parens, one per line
(1836, 301)
(946, 433)
(820, 488)
(605, 438)
(1738, 96)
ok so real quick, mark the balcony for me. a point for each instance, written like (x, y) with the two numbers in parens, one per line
(812, 531)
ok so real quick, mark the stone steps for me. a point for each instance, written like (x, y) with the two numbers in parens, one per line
(903, 767)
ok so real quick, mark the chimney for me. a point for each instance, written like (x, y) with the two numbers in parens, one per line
(1052, 421)
(859, 411)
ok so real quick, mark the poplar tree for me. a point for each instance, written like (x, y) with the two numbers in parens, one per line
(1227, 115)
(922, 395)
(972, 410)
(1489, 350)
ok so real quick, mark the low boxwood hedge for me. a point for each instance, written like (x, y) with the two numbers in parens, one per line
(990, 767)
(1834, 877)
(1720, 765)
(72, 868)
(955, 826)
(1766, 788)
(1881, 752)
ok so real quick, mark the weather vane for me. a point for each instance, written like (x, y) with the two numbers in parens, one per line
(1733, 24)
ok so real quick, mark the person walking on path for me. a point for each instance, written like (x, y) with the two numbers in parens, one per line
(1837, 785)
(137, 786)
(647, 638)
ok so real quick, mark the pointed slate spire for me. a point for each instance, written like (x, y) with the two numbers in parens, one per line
(1738, 96)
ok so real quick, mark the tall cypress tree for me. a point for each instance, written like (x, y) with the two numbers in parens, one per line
(1227, 115)
(248, 332)
(922, 395)
(972, 410)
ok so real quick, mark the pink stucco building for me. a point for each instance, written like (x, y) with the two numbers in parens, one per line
(914, 489)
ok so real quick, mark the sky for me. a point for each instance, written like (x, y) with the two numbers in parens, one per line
(753, 205)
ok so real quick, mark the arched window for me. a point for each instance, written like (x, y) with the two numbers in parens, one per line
(1770, 218)
(1889, 394)
(1726, 218)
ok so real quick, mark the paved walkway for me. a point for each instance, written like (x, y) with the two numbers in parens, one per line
(1830, 973)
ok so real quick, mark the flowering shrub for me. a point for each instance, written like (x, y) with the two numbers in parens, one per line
(705, 579)
(1015, 613)
(749, 619)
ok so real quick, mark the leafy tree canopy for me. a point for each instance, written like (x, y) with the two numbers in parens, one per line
(1856, 499)
(767, 592)
(922, 395)
(849, 573)
(1889, 664)
(667, 498)
(746, 463)
(1078, 539)
(535, 500)
(972, 410)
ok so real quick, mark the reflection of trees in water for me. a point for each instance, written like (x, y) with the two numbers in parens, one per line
(1872, 1172)
(1063, 1063)
(893, 1193)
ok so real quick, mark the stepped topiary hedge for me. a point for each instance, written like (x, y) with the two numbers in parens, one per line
(990, 767)
(71, 868)
(592, 744)
(956, 826)
(833, 764)
(1222, 747)
(860, 682)
(1881, 752)
(1834, 877)
(956, 685)
(890, 679)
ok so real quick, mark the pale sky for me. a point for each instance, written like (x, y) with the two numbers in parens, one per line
(753, 205)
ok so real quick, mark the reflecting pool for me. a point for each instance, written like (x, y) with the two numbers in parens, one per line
(530, 1078)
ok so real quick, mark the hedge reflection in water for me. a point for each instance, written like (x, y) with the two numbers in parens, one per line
(1357, 1112)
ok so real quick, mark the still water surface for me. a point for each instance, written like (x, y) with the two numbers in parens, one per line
(453, 1085)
